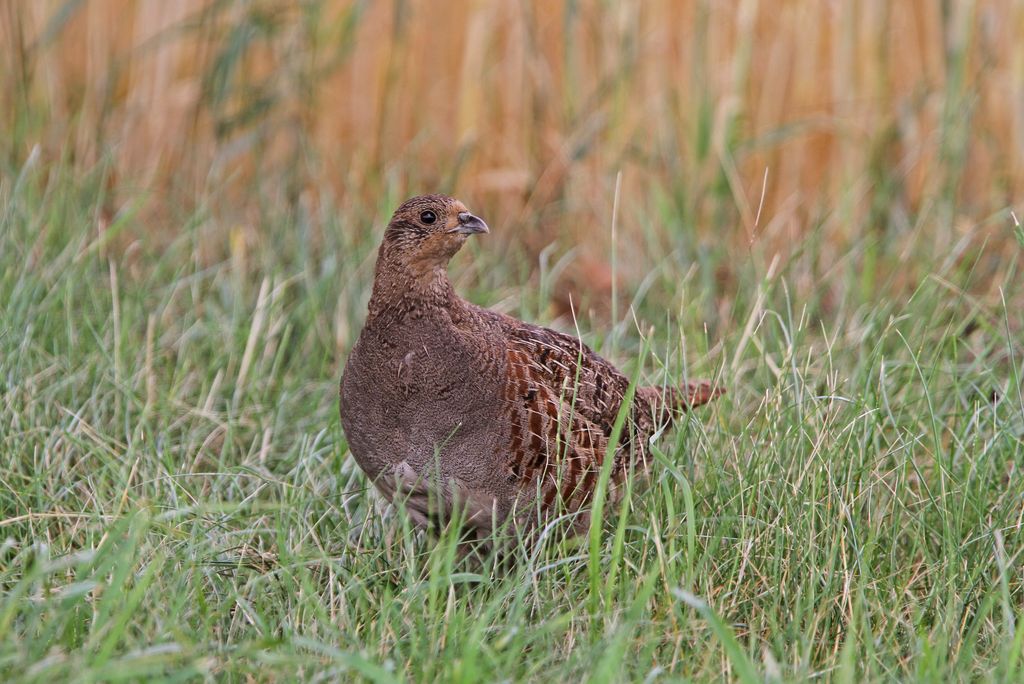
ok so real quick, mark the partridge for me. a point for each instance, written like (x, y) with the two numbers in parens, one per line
(446, 405)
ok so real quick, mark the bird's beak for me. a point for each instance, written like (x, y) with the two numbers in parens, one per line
(469, 224)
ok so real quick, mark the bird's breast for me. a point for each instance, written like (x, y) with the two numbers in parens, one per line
(420, 382)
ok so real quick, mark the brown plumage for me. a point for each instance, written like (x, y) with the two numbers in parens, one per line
(447, 404)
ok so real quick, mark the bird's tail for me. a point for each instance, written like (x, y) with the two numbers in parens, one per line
(694, 394)
(667, 402)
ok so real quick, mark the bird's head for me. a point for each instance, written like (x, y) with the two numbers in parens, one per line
(426, 231)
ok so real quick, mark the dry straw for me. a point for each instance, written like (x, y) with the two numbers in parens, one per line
(864, 112)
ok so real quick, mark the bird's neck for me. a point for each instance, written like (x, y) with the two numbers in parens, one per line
(402, 287)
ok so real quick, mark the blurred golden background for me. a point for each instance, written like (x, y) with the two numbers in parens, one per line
(752, 122)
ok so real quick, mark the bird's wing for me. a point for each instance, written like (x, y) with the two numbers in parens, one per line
(598, 387)
(555, 451)
(562, 400)
(572, 370)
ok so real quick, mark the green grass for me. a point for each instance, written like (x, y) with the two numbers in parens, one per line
(176, 497)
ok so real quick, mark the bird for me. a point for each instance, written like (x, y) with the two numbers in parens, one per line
(461, 412)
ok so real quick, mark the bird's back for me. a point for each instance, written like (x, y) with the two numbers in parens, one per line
(560, 407)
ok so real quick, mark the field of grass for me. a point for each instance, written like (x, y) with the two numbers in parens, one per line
(177, 498)
(820, 215)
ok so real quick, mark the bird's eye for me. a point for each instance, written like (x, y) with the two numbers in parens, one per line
(428, 217)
